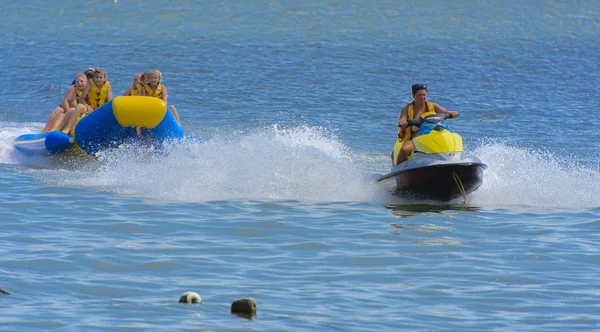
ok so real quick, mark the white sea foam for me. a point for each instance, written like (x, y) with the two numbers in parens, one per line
(307, 163)
(270, 163)
(8, 133)
(533, 178)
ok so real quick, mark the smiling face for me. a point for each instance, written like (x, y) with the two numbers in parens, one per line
(153, 78)
(99, 78)
(80, 82)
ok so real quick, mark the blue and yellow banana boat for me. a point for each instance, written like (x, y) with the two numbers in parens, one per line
(121, 119)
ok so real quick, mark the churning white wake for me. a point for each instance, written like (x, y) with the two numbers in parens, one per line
(306, 163)
(269, 163)
(530, 178)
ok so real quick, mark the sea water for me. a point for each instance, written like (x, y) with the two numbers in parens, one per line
(297, 103)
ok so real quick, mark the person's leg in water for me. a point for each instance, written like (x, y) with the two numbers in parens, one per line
(405, 150)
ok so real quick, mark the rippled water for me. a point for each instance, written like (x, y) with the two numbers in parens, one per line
(297, 105)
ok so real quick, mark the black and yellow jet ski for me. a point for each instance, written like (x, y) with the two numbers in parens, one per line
(438, 168)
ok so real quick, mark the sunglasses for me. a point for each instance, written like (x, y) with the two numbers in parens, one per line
(417, 87)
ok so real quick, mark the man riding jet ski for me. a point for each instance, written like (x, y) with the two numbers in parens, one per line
(428, 161)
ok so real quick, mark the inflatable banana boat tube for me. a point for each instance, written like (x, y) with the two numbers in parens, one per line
(125, 118)
(42, 144)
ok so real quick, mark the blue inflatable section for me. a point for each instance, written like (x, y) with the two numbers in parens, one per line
(100, 130)
(167, 129)
(43, 144)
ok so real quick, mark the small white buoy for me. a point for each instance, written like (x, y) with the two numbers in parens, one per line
(190, 298)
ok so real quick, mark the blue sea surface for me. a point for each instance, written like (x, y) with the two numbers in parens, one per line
(297, 104)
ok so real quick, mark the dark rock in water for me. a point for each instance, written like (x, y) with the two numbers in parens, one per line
(244, 307)
(3, 292)
(190, 298)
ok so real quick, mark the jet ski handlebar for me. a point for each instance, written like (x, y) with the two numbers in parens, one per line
(433, 118)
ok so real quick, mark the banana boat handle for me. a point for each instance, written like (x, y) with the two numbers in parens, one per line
(433, 118)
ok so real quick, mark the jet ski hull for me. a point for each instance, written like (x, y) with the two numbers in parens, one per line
(438, 168)
(442, 182)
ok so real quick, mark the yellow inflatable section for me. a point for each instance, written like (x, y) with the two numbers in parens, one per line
(139, 111)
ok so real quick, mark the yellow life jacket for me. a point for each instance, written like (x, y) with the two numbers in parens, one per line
(156, 93)
(77, 97)
(404, 134)
(137, 91)
(97, 97)
(78, 93)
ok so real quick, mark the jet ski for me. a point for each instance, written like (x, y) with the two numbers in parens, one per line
(438, 168)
